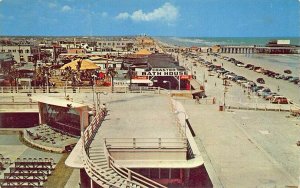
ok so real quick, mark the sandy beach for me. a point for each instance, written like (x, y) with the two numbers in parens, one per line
(276, 62)
(287, 89)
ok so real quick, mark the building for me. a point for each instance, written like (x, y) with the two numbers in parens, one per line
(22, 53)
(161, 69)
(150, 146)
(115, 45)
(6, 61)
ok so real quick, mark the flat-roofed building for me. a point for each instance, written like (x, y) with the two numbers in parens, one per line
(21, 53)
(150, 145)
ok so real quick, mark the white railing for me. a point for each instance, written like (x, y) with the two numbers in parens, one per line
(16, 100)
(145, 143)
(131, 175)
(95, 172)
(263, 106)
(78, 89)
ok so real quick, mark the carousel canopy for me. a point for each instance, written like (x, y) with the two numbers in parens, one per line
(143, 52)
(85, 65)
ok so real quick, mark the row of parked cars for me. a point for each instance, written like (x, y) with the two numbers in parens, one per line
(269, 73)
(250, 85)
(267, 94)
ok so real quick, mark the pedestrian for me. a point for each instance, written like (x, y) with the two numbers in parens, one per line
(103, 108)
(278, 89)
(197, 99)
(215, 84)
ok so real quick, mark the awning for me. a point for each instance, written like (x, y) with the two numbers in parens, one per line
(143, 52)
(57, 101)
(85, 65)
(141, 81)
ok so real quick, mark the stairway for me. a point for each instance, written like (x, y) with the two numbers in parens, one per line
(97, 155)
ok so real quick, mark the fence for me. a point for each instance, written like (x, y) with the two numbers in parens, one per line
(145, 143)
(81, 89)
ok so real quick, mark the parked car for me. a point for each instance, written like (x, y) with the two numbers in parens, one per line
(287, 71)
(248, 66)
(240, 64)
(260, 80)
(264, 90)
(267, 94)
(235, 79)
(293, 79)
(279, 100)
(279, 76)
(255, 88)
(249, 84)
(288, 77)
(271, 95)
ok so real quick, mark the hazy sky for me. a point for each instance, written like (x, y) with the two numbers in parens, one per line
(202, 18)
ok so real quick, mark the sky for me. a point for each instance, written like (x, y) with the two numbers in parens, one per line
(182, 18)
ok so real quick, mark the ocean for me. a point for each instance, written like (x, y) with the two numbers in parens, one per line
(211, 41)
(280, 61)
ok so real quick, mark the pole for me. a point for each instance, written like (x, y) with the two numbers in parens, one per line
(94, 91)
(179, 82)
(66, 87)
(47, 80)
(130, 77)
(224, 99)
(185, 124)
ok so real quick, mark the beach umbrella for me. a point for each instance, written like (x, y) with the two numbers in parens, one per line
(85, 64)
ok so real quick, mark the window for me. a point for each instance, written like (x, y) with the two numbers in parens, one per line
(154, 173)
(27, 51)
(164, 173)
(2, 50)
(175, 173)
(14, 50)
(9, 50)
(144, 172)
(21, 51)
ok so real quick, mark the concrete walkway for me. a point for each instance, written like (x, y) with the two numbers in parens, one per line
(246, 149)
(243, 148)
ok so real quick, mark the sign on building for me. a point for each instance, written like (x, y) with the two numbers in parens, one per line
(162, 72)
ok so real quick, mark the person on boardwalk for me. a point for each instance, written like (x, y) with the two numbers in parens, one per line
(197, 99)
(103, 108)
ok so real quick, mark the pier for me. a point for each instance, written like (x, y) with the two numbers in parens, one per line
(258, 49)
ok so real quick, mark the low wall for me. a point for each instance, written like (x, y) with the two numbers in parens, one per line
(18, 120)
(146, 154)
(47, 148)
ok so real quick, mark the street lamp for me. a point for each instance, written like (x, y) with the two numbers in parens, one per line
(94, 77)
(98, 99)
(185, 118)
(165, 81)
